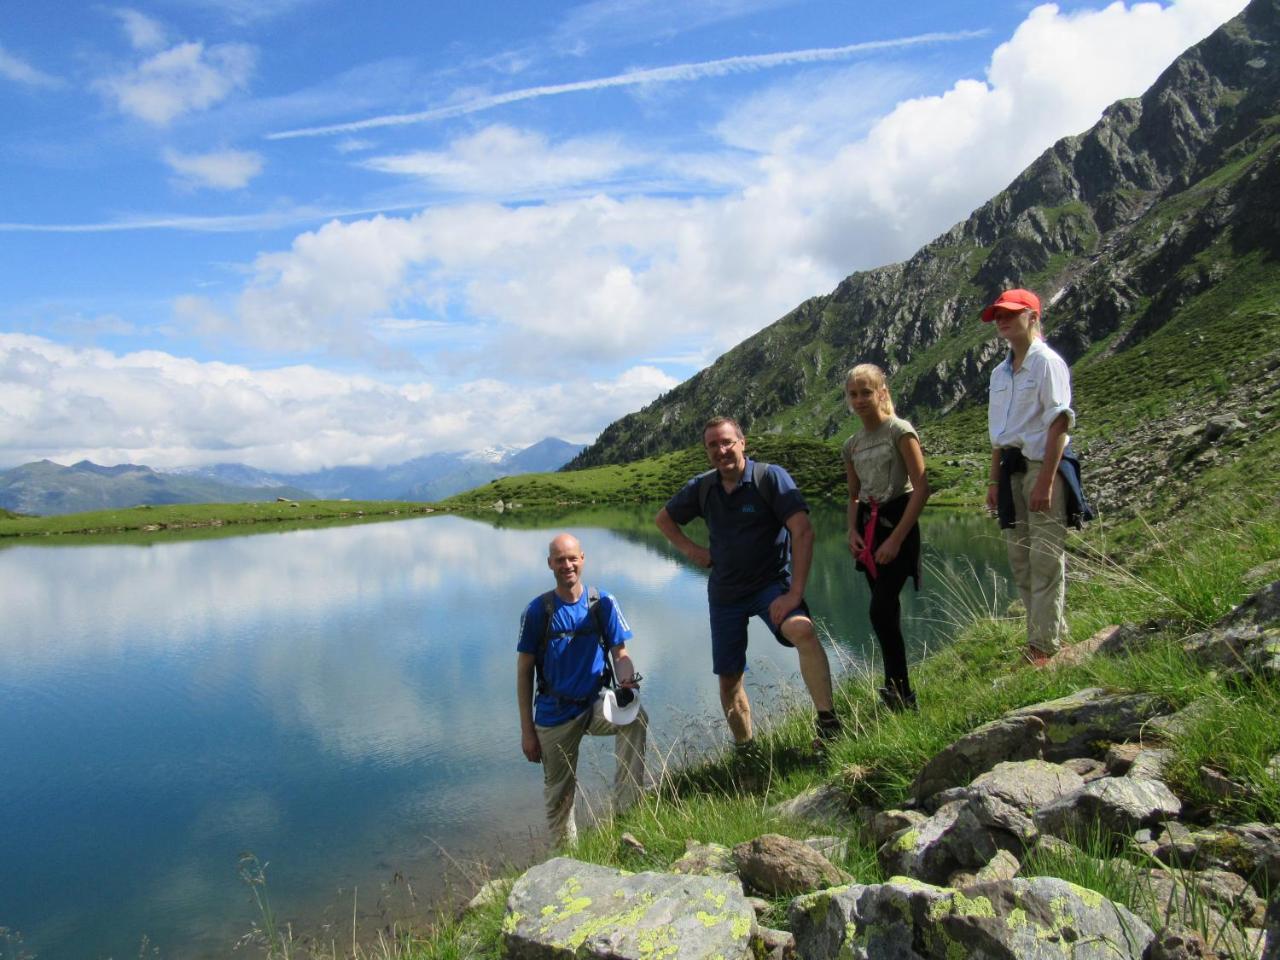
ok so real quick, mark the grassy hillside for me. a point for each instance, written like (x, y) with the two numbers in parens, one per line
(204, 516)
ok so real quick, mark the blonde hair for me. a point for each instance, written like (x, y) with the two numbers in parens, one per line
(875, 376)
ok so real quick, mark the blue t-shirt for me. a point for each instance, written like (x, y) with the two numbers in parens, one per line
(574, 661)
(750, 547)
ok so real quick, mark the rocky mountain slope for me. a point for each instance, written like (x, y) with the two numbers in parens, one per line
(1165, 215)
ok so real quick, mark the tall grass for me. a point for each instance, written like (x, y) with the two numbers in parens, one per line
(1090, 860)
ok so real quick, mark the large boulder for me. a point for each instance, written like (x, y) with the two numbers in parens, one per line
(565, 908)
(824, 804)
(1250, 849)
(1113, 805)
(1246, 640)
(1084, 723)
(1026, 785)
(962, 835)
(779, 866)
(978, 821)
(1009, 738)
(1018, 919)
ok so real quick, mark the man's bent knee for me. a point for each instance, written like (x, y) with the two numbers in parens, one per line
(799, 631)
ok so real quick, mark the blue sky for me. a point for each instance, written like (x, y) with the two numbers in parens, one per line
(307, 233)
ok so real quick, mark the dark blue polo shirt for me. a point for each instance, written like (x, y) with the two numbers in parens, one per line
(750, 547)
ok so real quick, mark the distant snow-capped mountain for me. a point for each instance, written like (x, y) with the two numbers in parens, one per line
(50, 488)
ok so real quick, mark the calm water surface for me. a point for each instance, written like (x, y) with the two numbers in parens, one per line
(340, 702)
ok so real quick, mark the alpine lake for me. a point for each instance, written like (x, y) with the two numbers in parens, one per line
(332, 710)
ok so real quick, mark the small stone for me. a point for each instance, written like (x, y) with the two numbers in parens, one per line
(629, 840)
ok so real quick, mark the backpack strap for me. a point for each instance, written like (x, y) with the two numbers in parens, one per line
(760, 476)
(593, 611)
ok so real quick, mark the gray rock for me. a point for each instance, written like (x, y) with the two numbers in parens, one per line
(1230, 894)
(1251, 850)
(961, 836)
(1009, 738)
(1131, 638)
(1120, 757)
(1219, 785)
(888, 822)
(833, 848)
(1113, 805)
(777, 944)
(927, 851)
(780, 866)
(1246, 640)
(1272, 951)
(568, 909)
(1266, 571)
(492, 891)
(1086, 767)
(1190, 902)
(1004, 821)
(1151, 763)
(1018, 919)
(704, 860)
(1169, 727)
(1026, 785)
(1176, 942)
(824, 804)
(1075, 725)
(1003, 866)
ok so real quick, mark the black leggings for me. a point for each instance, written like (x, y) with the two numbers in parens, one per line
(886, 620)
(886, 609)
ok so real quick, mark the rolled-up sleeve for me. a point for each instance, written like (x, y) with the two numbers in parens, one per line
(1055, 392)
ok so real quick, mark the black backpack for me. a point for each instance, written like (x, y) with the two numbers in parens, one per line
(760, 476)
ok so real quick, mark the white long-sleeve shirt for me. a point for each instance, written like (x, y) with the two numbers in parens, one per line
(1022, 405)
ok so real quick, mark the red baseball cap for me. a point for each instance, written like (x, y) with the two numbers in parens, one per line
(1012, 300)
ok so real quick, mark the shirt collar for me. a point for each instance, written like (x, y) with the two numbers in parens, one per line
(1037, 346)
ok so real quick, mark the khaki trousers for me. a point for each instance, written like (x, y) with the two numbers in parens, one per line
(1038, 559)
(560, 765)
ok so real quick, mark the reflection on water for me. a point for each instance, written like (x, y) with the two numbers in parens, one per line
(340, 701)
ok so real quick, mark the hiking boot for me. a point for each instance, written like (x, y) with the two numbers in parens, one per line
(1037, 658)
(828, 726)
(748, 765)
(828, 731)
(897, 701)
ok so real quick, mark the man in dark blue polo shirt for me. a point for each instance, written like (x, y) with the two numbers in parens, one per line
(760, 554)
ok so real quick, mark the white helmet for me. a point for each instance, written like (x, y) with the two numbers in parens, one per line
(616, 713)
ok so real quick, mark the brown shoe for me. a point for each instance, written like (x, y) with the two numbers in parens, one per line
(1037, 658)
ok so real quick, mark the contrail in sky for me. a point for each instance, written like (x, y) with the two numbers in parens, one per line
(674, 73)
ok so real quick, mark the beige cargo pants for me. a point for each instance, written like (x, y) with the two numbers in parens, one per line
(560, 765)
(1038, 559)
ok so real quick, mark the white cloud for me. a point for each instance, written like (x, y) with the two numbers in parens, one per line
(19, 71)
(606, 278)
(143, 32)
(67, 404)
(219, 170)
(501, 160)
(182, 79)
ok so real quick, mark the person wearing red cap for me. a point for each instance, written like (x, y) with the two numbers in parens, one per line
(1028, 416)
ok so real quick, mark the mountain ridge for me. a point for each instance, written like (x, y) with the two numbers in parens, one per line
(48, 488)
(1116, 228)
